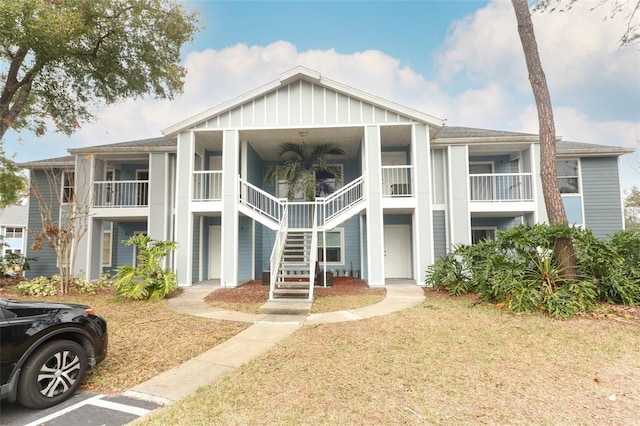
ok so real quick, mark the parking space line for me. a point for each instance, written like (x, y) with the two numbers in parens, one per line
(65, 410)
(129, 409)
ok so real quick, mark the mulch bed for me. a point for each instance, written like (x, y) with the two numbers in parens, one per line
(255, 292)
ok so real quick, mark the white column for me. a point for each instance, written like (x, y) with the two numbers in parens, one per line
(230, 170)
(459, 216)
(184, 219)
(375, 223)
(423, 216)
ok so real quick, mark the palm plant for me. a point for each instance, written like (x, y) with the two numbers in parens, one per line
(298, 164)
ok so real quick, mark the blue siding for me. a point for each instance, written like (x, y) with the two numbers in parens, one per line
(195, 259)
(602, 199)
(573, 209)
(255, 173)
(245, 237)
(500, 223)
(122, 231)
(439, 233)
(46, 262)
(259, 250)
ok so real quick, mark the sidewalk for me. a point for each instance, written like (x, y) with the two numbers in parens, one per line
(266, 331)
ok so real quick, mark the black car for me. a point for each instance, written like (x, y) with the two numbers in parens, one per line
(46, 349)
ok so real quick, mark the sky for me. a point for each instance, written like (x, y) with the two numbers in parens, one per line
(457, 60)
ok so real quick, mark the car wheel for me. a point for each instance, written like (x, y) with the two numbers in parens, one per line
(52, 374)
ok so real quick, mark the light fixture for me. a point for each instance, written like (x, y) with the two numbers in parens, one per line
(302, 134)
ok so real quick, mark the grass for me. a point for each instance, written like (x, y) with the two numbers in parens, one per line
(447, 361)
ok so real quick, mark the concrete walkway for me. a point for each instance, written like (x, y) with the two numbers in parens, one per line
(267, 330)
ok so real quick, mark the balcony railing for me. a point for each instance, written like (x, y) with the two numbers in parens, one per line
(501, 187)
(121, 193)
(397, 181)
(207, 185)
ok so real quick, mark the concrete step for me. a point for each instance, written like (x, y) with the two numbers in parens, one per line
(286, 307)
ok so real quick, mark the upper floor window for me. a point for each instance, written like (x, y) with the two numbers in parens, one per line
(326, 184)
(67, 187)
(568, 176)
(13, 233)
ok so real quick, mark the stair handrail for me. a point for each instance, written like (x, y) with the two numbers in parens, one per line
(353, 192)
(274, 206)
(278, 249)
(313, 256)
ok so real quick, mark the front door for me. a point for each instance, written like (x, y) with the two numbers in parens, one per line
(215, 239)
(397, 253)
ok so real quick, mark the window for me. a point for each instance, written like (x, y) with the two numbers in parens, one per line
(335, 243)
(568, 179)
(480, 234)
(13, 233)
(12, 251)
(106, 246)
(67, 187)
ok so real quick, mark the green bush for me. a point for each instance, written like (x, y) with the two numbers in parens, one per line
(80, 285)
(40, 286)
(519, 270)
(149, 280)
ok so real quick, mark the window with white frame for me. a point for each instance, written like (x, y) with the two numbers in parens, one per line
(568, 176)
(67, 187)
(334, 247)
(106, 246)
(13, 232)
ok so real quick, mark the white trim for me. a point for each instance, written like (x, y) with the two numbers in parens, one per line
(109, 231)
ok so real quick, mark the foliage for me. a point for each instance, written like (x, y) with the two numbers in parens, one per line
(44, 286)
(629, 10)
(148, 280)
(632, 204)
(62, 57)
(13, 185)
(12, 264)
(40, 286)
(521, 271)
(298, 165)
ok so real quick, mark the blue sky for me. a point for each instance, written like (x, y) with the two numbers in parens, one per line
(457, 60)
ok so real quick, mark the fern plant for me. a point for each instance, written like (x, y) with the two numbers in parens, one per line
(148, 279)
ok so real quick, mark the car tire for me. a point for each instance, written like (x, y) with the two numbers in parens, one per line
(52, 374)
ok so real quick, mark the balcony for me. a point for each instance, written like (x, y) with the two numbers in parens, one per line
(397, 181)
(121, 194)
(207, 185)
(501, 192)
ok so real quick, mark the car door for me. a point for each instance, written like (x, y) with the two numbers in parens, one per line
(7, 348)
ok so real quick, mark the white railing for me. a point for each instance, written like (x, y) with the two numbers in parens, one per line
(314, 253)
(121, 193)
(342, 199)
(501, 187)
(207, 185)
(261, 201)
(276, 253)
(397, 181)
(301, 214)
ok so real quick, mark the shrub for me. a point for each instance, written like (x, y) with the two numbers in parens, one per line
(519, 270)
(80, 285)
(40, 286)
(149, 280)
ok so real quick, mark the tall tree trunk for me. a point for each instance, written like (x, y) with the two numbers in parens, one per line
(547, 131)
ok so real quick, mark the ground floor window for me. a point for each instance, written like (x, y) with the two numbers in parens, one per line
(480, 234)
(106, 246)
(334, 247)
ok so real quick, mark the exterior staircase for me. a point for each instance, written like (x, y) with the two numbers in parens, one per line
(293, 279)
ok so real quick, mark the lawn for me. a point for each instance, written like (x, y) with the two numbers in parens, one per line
(447, 361)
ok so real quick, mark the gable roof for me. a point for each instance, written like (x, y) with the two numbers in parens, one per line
(57, 162)
(302, 97)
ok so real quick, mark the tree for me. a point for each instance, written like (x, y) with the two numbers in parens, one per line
(553, 200)
(631, 31)
(64, 216)
(632, 207)
(61, 56)
(13, 185)
(299, 165)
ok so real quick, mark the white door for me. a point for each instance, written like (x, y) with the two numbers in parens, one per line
(397, 253)
(215, 239)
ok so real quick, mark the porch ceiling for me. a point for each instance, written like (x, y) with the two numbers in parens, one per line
(267, 141)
